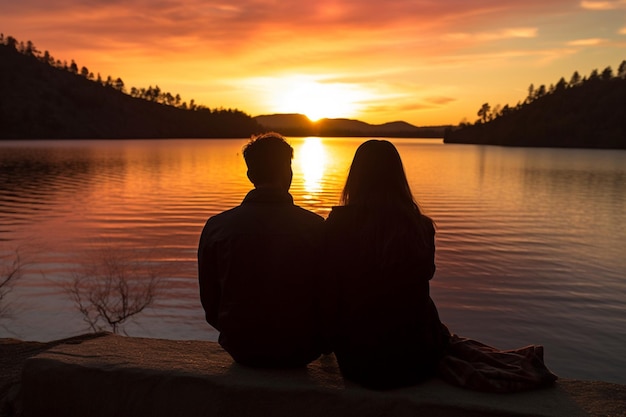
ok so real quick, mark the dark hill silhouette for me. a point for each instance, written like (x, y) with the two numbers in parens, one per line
(42, 101)
(584, 113)
(44, 98)
(285, 122)
(300, 125)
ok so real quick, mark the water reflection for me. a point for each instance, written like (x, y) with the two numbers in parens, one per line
(535, 235)
(312, 159)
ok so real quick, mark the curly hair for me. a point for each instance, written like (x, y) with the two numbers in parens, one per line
(268, 157)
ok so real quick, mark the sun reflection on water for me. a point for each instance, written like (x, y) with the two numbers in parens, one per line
(312, 158)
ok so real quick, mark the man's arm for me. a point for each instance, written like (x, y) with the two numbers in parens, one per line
(208, 279)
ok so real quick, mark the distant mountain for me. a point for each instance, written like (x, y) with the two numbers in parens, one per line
(300, 125)
(42, 99)
(586, 112)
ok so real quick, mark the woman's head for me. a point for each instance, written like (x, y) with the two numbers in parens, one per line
(378, 188)
(377, 178)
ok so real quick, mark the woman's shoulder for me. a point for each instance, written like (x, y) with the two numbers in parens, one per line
(340, 214)
(339, 210)
(424, 219)
(426, 225)
(386, 212)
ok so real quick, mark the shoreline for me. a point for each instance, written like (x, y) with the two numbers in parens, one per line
(596, 398)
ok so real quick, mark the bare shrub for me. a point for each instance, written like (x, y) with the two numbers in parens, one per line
(11, 270)
(111, 286)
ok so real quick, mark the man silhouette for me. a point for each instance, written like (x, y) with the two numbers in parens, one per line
(256, 267)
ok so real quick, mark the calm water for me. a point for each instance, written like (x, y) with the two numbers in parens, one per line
(531, 242)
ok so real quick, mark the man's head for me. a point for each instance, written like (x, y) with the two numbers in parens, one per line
(268, 157)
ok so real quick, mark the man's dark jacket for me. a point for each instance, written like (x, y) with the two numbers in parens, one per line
(259, 281)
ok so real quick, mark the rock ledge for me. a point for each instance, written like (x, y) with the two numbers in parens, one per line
(118, 376)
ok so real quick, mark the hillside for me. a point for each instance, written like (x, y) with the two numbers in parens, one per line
(44, 98)
(300, 125)
(584, 113)
(42, 101)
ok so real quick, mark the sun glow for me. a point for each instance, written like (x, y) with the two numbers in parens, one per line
(318, 99)
(312, 158)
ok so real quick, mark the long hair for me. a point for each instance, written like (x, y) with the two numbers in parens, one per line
(377, 188)
(377, 178)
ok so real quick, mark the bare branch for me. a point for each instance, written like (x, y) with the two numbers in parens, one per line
(111, 287)
(11, 270)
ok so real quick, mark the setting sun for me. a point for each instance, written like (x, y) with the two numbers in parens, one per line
(318, 99)
(424, 63)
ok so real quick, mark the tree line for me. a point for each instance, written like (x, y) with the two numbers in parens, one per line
(46, 98)
(154, 94)
(487, 113)
(586, 111)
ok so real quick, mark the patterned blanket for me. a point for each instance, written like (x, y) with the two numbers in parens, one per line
(474, 365)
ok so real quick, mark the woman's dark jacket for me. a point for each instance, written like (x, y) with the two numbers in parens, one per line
(386, 330)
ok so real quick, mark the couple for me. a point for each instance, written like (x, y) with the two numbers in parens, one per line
(283, 286)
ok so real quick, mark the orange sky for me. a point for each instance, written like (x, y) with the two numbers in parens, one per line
(426, 62)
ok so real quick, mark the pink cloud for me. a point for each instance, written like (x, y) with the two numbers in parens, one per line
(603, 4)
(587, 42)
(82, 23)
(407, 105)
(412, 54)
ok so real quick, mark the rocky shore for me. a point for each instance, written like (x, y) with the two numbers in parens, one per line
(104, 374)
(13, 354)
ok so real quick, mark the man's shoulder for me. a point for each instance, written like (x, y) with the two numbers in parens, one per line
(219, 220)
(243, 217)
(307, 214)
(226, 213)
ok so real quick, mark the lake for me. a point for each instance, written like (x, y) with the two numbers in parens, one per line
(531, 243)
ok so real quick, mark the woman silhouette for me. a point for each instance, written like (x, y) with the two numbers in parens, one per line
(381, 252)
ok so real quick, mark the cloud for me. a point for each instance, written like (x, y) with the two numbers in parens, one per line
(603, 5)
(220, 25)
(507, 33)
(156, 40)
(411, 55)
(440, 100)
(587, 42)
(403, 103)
